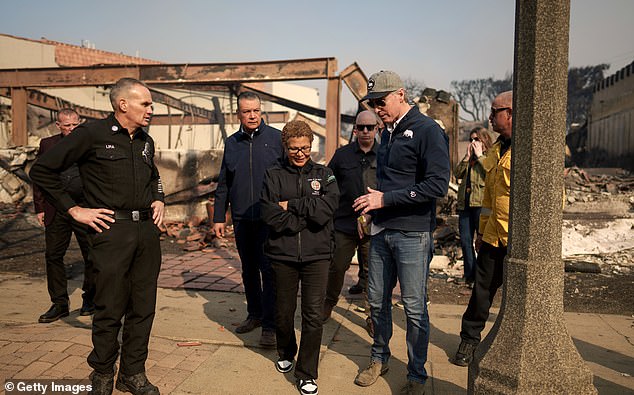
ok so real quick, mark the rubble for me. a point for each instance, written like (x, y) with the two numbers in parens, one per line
(584, 187)
(195, 234)
(15, 186)
(597, 232)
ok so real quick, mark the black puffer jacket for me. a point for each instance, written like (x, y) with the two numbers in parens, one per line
(303, 232)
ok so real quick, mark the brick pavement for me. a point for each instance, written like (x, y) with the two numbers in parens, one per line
(22, 357)
(59, 350)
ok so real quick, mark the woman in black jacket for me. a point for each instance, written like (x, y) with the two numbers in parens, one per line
(298, 202)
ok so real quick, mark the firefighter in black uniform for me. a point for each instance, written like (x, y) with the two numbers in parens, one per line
(125, 206)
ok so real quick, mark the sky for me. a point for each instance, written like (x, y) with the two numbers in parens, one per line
(433, 42)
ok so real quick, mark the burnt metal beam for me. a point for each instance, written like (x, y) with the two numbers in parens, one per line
(178, 104)
(54, 103)
(333, 118)
(186, 119)
(19, 133)
(357, 82)
(220, 117)
(157, 74)
(345, 118)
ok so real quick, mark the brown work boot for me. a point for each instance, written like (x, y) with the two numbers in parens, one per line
(102, 383)
(371, 374)
(136, 384)
(413, 388)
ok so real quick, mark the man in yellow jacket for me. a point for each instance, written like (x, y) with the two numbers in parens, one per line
(492, 239)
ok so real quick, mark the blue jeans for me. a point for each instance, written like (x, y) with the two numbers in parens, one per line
(404, 256)
(468, 220)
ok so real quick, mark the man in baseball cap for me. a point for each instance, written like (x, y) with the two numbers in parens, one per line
(412, 172)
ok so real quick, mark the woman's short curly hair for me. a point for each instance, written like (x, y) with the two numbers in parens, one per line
(296, 129)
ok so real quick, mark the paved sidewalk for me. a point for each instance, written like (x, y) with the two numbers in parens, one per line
(194, 305)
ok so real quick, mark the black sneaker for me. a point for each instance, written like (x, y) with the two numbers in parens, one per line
(464, 356)
(307, 387)
(136, 384)
(56, 312)
(284, 365)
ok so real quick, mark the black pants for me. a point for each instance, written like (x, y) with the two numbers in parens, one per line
(257, 274)
(127, 260)
(313, 277)
(346, 245)
(58, 234)
(488, 278)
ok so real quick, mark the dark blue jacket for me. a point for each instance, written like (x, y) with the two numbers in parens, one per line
(412, 172)
(355, 171)
(244, 163)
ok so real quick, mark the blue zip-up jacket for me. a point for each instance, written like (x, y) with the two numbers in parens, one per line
(412, 172)
(244, 163)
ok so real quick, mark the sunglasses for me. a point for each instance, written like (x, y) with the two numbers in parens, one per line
(361, 128)
(472, 139)
(295, 150)
(494, 111)
(374, 103)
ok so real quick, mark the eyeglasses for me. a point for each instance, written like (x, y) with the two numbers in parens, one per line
(361, 128)
(296, 150)
(494, 111)
(472, 139)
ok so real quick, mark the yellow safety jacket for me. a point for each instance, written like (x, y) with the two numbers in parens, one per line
(494, 217)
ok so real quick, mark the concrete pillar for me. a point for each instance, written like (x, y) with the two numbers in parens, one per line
(529, 350)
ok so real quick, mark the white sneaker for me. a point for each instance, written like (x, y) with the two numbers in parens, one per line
(283, 365)
(307, 387)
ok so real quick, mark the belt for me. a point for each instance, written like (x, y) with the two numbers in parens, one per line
(133, 215)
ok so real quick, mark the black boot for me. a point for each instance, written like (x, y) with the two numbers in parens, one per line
(87, 308)
(136, 384)
(56, 312)
(102, 383)
(464, 356)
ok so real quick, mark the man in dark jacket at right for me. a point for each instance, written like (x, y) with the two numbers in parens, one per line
(412, 172)
(248, 153)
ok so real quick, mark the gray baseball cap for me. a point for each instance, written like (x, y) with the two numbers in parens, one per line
(382, 83)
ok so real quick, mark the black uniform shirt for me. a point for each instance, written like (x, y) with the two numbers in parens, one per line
(117, 172)
(355, 171)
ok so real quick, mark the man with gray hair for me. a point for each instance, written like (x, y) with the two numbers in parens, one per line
(248, 153)
(124, 207)
(412, 172)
